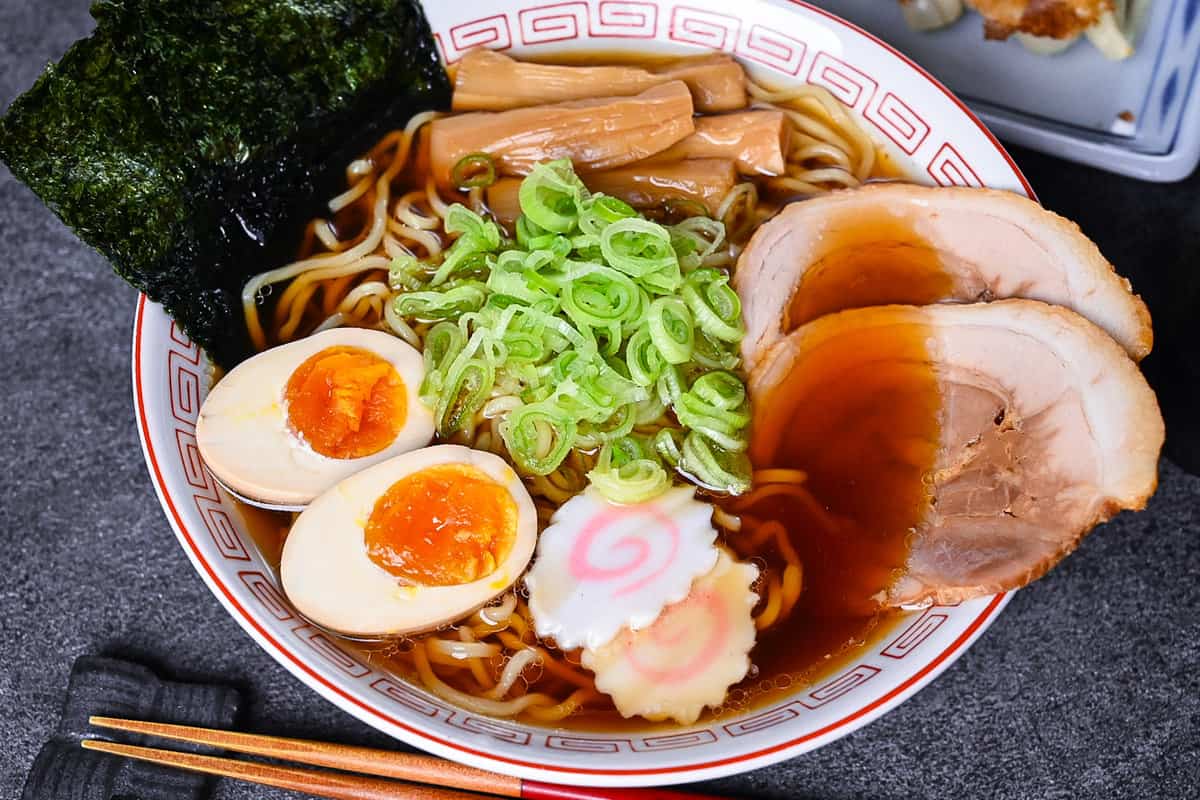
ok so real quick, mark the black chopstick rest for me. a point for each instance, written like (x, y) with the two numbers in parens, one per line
(112, 687)
(65, 771)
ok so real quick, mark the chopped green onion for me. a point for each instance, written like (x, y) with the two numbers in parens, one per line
(620, 425)
(644, 361)
(538, 436)
(467, 386)
(668, 444)
(704, 235)
(671, 329)
(670, 385)
(462, 221)
(443, 342)
(403, 273)
(592, 333)
(714, 467)
(712, 353)
(446, 303)
(725, 429)
(715, 406)
(599, 297)
(716, 306)
(552, 196)
(474, 171)
(527, 230)
(642, 249)
(650, 410)
(625, 473)
(721, 390)
(602, 212)
(477, 237)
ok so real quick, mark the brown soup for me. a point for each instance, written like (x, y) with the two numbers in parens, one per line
(861, 419)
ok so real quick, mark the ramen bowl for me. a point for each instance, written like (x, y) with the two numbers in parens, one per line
(929, 136)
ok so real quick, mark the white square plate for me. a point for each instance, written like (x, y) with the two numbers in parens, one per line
(1138, 117)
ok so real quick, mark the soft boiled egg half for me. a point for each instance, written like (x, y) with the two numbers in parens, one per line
(418, 541)
(292, 421)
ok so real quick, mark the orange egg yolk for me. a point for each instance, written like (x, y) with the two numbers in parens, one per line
(346, 402)
(442, 526)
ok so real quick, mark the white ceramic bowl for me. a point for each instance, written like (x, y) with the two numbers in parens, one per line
(925, 128)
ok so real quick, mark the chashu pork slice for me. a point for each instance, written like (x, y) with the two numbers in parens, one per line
(902, 243)
(1046, 428)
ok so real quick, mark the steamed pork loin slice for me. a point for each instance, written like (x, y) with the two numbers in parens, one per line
(1046, 428)
(901, 243)
(645, 185)
(756, 141)
(485, 80)
(595, 134)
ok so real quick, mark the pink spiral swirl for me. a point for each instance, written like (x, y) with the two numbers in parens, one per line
(673, 628)
(638, 546)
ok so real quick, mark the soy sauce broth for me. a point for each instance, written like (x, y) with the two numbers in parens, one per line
(861, 417)
(861, 420)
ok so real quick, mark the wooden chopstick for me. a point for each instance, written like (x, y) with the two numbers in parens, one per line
(334, 785)
(426, 773)
(369, 761)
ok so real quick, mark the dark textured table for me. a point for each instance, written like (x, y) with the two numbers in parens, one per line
(1088, 685)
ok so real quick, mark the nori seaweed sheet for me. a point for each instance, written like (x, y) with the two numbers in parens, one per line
(189, 141)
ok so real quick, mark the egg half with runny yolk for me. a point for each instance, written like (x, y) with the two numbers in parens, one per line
(405, 546)
(292, 421)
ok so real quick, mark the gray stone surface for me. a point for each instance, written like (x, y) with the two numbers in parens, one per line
(1086, 687)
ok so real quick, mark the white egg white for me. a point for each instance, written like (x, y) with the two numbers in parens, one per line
(328, 576)
(243, 433)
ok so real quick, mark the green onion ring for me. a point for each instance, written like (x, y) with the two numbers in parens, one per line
(476, 170)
